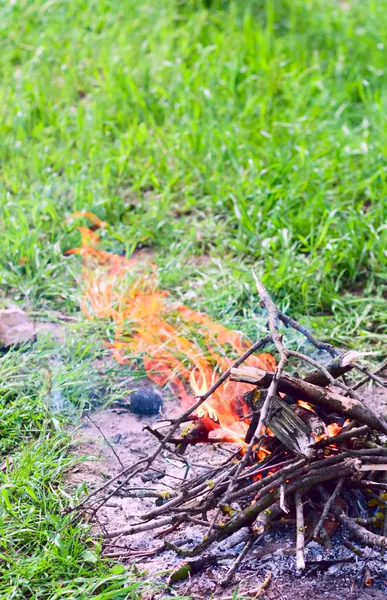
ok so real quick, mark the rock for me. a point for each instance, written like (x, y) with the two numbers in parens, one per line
(145, 401)
(15, 327)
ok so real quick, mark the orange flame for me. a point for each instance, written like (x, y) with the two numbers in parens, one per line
(305, 405)
(179, 346)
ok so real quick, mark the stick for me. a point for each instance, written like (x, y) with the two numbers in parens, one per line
(277, 338)
(366, 379)
(106, 440)
(371, 375)
(271, 392)
(289, 322)
(366, 484)
(326, 509)
(138, 528)
(342, 437)
(261, 590)
(300, 540)
(334, 369)
(247, 547)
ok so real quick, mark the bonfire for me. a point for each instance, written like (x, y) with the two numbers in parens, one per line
(297, 440)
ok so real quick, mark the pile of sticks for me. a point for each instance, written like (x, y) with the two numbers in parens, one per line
(300, 479)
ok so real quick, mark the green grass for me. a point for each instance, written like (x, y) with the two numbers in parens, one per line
(43, 554)
(250, 131)
(223, 135)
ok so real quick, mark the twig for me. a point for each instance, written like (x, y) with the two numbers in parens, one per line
(289, 322)
(366, 379)
(370, 374)
(261, 590)
(106, 440)
(273, 314)
(283, 504)
(300, 540)
(327, 508)
(125, 554)
(366, 484)
(247, 547)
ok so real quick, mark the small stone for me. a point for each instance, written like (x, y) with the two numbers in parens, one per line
(15, 327)
(145, 401)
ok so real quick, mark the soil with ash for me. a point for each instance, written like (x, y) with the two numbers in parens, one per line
(355, 577)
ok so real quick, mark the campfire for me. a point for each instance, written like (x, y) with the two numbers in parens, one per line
(300, 443)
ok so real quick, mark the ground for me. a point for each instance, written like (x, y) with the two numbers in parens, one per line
(220, 135)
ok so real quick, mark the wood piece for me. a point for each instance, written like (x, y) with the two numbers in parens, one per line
(335, 369)
(374, 467)
(366, 484)
(300, 540)
(302, 390)
(291, 430)
(188, 568)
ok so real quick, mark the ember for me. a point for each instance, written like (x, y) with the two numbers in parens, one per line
(298, 440)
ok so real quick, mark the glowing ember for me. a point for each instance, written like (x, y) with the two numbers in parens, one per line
(333, 429)
(180, 347)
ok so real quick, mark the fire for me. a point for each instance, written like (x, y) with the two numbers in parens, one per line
(330, 431)
(305, 405)
(333, 429)
(180, 347)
